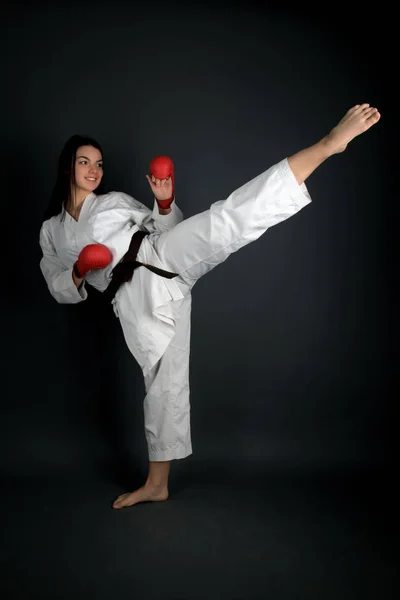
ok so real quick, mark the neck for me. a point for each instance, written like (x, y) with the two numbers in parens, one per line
(78, 196)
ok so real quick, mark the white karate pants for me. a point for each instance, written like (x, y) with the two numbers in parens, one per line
(191, 249)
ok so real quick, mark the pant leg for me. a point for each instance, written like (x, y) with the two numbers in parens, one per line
(198, 244)
(167, 405)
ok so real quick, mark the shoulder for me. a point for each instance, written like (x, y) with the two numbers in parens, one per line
(48, 226)
(46, 233)
(117, 200)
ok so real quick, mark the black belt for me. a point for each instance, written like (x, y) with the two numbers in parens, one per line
(123, 271)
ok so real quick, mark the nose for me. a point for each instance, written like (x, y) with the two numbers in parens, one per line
(92, 168)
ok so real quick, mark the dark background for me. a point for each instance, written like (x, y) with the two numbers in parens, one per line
(293, 370)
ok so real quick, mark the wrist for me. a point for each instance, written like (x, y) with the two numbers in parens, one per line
(165, 204)
(75, 271)
(78, 281)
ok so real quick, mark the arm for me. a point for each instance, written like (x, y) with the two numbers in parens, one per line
(65, 287)
(113, 230)
(162, 183)
(163, 219)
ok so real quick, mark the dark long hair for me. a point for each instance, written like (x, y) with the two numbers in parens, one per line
(61, 198)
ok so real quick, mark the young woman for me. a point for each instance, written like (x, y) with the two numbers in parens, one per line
(88, 237)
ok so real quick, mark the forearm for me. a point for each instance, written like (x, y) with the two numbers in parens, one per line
(60, 281)
(165, 219)
(63, 286)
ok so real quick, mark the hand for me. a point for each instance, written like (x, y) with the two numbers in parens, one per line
(93, 256)
(161, 180)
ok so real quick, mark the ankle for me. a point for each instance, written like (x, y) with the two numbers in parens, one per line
(156, 484)
(327, 146)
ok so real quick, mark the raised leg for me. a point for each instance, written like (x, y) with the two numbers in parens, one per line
(356, 121)
(199, 243)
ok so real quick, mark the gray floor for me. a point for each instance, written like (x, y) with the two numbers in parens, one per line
(261, 535)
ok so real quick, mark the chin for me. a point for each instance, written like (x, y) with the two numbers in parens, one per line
(90, 188)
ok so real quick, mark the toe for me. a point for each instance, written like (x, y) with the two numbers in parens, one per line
(118, 503)
(358, 108)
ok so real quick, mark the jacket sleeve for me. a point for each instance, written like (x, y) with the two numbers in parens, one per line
(59, 280)
(154, 222)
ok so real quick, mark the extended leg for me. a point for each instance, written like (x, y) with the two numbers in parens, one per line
(199, 243)
(356, 121)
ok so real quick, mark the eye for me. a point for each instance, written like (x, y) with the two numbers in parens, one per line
(100, 165)
(82, 162)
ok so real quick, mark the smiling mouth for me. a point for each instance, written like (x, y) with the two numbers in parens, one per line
(91, 178)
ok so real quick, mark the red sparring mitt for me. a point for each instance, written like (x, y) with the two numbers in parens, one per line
(93, 256)
(162, 167)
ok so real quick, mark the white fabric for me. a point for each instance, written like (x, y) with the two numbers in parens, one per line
(167, 405)
(153, 310)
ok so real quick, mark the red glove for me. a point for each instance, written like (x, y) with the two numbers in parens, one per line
(162, 167)
(93, 256)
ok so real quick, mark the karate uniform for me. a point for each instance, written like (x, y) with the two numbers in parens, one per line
(154, 312)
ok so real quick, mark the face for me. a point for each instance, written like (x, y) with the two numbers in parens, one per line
(88, 170)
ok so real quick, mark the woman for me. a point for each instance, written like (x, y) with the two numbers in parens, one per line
(154, 307)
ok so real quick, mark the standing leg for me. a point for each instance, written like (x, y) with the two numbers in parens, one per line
(198, 244)
(154, 490)
(166, 412)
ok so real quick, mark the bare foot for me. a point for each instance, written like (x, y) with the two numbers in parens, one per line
(356, 121)
(146, 493)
